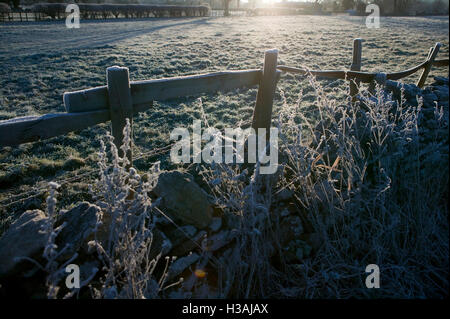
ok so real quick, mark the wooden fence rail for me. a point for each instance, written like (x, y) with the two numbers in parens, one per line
(163, 89)
(122, 98)
(355, 75)
(92, 106)
(365, 77)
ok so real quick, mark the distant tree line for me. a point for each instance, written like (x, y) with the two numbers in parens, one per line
(387, 7)
(10, 3)
(56, 10)
(108, 10)
(17, 3)
(4, 8)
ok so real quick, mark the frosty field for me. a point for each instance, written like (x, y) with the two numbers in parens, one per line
(40, 61)
(361, 181)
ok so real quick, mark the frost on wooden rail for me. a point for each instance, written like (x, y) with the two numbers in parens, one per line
(90, 107)
(163, 89)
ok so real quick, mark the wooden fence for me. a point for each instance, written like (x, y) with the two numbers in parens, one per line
(355, 76)
(121, 99)
(235, 12)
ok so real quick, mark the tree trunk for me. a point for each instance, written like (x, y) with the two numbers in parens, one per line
(227, 8)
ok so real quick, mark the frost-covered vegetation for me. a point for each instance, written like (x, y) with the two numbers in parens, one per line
(108, 10)
(42, 61)
(358, 184)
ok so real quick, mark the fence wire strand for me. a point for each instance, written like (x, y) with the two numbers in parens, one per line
(63, 181)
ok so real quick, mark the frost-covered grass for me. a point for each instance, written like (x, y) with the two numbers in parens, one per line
(370, 185)
(42, 60)
(373, 185)
(122, 235)
(367, 181)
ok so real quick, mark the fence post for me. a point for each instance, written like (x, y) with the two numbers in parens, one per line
(429, 52)
(120, 104)
(427, 69)
(356, 66)
(262, 113)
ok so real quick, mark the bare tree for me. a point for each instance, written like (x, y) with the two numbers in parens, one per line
(347, 4)
(439, 7)
(226, 5)
(360, 6)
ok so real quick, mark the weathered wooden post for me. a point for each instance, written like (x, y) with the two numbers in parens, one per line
(262, 113)
(429, 52)
(356, 66)
(431, 57)
(120, 104)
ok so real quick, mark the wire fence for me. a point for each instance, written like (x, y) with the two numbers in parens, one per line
(43, 185)
(233, 13)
